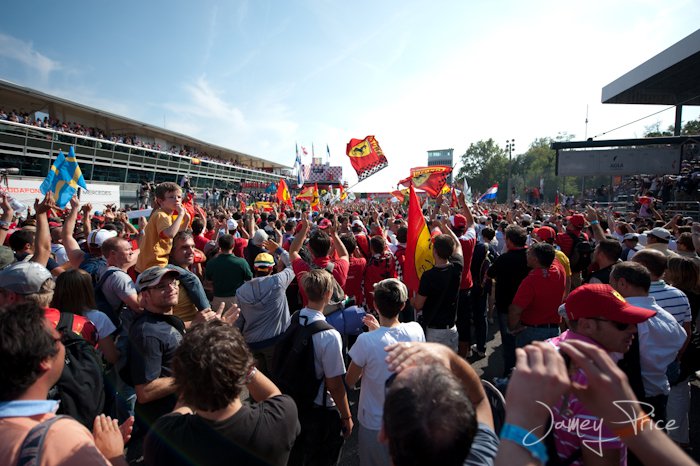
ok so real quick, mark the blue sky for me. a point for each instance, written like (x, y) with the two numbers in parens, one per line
(259, 76)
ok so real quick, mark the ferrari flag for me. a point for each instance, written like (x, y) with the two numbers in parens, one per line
(366, 156)
(419, 247)
(430, 179)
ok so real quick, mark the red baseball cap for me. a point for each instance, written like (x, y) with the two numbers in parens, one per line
(544, 233)
(324, 223)
(598, 300)
(576, 220)
(459, 221)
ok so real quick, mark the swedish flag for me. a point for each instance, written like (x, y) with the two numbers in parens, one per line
(64, 178)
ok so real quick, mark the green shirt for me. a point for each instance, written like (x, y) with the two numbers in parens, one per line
(227, 272)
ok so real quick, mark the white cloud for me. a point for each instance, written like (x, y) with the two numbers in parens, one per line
(261, 128)
(23, 52)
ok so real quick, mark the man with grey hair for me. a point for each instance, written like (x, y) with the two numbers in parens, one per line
(368, 361)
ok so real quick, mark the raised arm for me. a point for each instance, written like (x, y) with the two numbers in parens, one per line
(6, 218)
(337, 244)
(298, 242)
(466, 211)
(42, 239)
(69, 241)
(592, 217)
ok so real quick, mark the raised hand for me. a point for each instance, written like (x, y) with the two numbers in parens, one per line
(45, 205)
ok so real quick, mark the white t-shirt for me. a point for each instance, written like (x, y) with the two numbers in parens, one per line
(103, 324)
(328, 354)
(368, 353)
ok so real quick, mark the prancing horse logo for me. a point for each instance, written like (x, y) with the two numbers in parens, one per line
(360, 150)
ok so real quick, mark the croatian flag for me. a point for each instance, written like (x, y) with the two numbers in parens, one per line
(490, 193)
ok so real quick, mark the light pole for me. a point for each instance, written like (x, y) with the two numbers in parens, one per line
(510, 146)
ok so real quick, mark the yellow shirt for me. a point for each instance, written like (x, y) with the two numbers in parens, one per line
(154, 248)
(185, 308)
(564, 261)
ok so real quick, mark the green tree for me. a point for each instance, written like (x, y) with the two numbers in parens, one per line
(654, 131)
(691, 127)
(483, 164)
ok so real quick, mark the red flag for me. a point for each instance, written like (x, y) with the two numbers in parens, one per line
(366, 156)
(429, 179)
(454, 203)
(419, 247)
(188, 204)
(398, 195)
(283, 193)
(405, 182)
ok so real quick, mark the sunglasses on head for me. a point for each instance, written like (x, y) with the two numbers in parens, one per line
(621, 326)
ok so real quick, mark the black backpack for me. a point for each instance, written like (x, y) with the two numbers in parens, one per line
(80, 388)
(293, 367)
(101, 302)
(581, 253)
(338, 297)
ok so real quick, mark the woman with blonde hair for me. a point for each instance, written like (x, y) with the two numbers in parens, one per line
(74, 293)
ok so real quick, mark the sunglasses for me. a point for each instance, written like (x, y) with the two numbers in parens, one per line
(621, 326)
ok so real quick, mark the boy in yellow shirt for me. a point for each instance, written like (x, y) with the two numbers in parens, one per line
(157, 239)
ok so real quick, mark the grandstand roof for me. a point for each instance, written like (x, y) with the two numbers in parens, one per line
(24, 99)
(670, 78)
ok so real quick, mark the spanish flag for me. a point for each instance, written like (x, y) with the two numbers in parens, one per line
(306, 194)
(315, 202)
(283, 194)
(419, 247)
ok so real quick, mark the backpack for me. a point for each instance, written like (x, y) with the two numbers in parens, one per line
(293, 367)
(30, 452)
(101, 302)
(80, 389)
(338, 297)
(581, 253)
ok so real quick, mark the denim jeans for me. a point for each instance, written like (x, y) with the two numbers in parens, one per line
(531, 334)
(508, 343)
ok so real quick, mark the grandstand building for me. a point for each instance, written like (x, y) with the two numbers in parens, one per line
(442, 157)
(113, 149)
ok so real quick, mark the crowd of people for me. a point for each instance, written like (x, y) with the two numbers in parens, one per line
(79, 129)
(229, 334)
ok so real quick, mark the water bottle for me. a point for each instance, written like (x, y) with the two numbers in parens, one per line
(15, 204)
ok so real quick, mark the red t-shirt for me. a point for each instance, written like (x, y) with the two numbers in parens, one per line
(81, 325)
(539, 296)
(353, 284)
(467, 241)
(566, 242)
(239, 245)
(200, 241)
(378, 269)
(340, 272)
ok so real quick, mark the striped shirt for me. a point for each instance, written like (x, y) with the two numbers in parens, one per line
(672, 300)
(574, 424)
